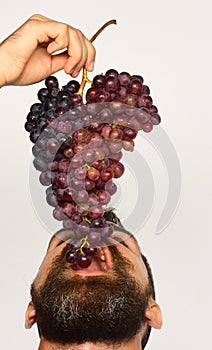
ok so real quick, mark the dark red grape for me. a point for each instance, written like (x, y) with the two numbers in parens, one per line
(71, 256)
(98, 81)
(111, 84)
(93, 173)
(91, 251)
(106, 174)
(84, 260)
(118, 169)
(124, 78)
(111, 73)
(135, 87)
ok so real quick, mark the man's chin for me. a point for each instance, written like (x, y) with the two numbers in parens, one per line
(109, 307)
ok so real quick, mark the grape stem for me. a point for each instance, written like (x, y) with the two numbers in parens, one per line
(84, 74)
(84, 241)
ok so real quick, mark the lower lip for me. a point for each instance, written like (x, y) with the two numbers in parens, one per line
(89, 273)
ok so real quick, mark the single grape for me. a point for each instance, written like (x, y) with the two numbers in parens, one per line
(72, 86)
(147, 127)
(118, 169)
(155, 119)
(144, 101)
(71, 256)
(75, 184)
(124, 78)
(80, 173)
(107, 231)
(138, 77)
(89, 184)
(84, 260)
(116, 134)
(94, 237)
(135, 87)
(98, 222)
(40, 164)
(45, 178)
(145, 90)
(102, 96)
(61, 180)
(106, 174)
(68, 210)
(91, 251)
(51, 82)
(111, 84)
(111, 187)
(96, 211)
(128, 145)
(36, 107)
(112, 73)
(76, 218)
(93, 199)
(93, 174)
(43, 94)
(91, 94)
(82, 196)
(98, 81)
(51, 200)
(129, 133)
(53, 145)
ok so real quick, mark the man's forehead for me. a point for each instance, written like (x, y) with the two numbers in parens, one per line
(67, 235)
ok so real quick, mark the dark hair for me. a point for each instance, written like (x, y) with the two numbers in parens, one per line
(112, 217)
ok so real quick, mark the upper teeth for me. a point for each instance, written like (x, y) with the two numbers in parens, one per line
(102, 255)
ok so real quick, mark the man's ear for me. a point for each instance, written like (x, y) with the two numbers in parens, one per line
(153, 314)
(30, 316)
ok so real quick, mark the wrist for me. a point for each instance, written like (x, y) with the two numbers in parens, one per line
(3, 67)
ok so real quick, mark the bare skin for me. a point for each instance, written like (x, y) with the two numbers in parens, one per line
(131, 251)
(30, 54)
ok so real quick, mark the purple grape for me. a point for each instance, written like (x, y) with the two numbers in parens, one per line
(94, 237)
(98, 81)
(71, 256)
(124, 78)
(51, 82)
(84, 260)
(155, 119)
(118, 169)
(91, 251)
(98, 222)
(111, 84)
(112, 73)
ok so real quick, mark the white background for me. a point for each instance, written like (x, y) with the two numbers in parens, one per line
(169, 43)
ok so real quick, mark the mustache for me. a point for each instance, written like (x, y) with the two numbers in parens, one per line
(75, 309)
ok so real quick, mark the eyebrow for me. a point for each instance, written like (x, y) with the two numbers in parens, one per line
(122, 229)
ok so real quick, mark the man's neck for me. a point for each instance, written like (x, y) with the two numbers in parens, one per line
(133, 344)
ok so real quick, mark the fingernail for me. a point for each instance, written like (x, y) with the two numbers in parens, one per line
(91, 66)
(75, 74)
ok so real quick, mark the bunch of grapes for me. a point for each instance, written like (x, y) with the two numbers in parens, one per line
(78, 147)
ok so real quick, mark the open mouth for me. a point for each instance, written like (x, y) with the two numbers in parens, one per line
(101, 264)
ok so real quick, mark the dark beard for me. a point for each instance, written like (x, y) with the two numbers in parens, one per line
(108, 308)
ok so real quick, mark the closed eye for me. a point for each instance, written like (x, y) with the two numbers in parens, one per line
(118, 239)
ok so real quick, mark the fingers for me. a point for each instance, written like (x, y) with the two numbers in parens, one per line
(20, 48)
(80, 50)
(57, 36)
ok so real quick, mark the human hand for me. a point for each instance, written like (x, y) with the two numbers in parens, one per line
(29, 55)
